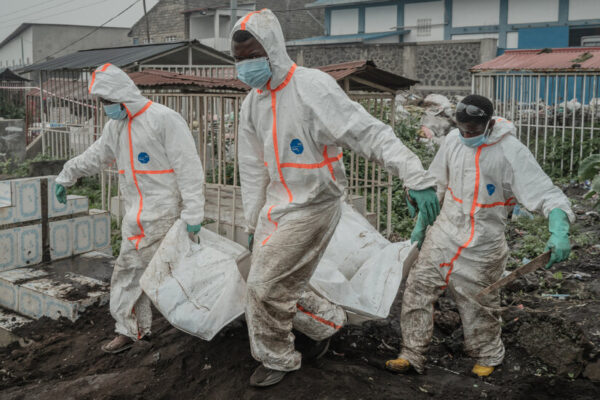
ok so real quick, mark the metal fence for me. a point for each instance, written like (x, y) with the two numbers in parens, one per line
(557, 114)
(205, 71)
(72, 120)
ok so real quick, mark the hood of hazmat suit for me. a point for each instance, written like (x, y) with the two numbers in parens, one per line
(160, 178)
(465, 250)
(292, 132)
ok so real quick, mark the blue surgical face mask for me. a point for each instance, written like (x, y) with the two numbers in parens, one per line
(476, 141)
(255, 72)
(115, 111)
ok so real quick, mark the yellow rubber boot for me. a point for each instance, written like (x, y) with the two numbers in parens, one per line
(398, 365)
(482, 371)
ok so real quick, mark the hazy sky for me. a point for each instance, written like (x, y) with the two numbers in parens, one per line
(75, 12)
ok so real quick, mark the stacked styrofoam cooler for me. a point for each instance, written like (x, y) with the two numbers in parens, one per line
(36, 293)
(20, 203)
(73, 228)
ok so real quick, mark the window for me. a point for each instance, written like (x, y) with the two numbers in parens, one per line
(344, 22)
(171, 38)
(381, 19)
(577, 35)
(136, 40)
(423, 26)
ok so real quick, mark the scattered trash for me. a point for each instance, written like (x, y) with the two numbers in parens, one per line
(519, 212)
(556, 295)
(525, 260)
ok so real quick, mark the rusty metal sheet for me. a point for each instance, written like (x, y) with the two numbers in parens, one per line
(574, 58)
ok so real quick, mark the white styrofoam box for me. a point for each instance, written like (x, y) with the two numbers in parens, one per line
(6, 198)
(55, 208)
(30, 244)
(61, 239)
(78, 204)
(8, 295)
(31, 302)
(10, 321)
(7, 215)
(83, 239)
(101, 228)
(9, 246)
(28, 202)
(9, 290)
(48, 297)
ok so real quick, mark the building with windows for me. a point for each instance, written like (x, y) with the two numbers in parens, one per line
(209, 21)
(516, 24)
(32, 43)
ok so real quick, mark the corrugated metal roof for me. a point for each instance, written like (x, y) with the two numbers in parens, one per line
(328, 3)
(125, 56)
(154, 78)
(8, 75)
(573, 58)
(367, 71)
(364, 72)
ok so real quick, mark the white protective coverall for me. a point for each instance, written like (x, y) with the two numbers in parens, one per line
(465, 250)
(293, 178)
(161, 180)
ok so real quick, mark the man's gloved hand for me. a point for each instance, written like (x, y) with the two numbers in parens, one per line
(193, 231)
(61, 193)
(418, 233)
(559, 244)
(250, 241)
(427, 204)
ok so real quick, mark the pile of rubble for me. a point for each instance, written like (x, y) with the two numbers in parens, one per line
(434, 114)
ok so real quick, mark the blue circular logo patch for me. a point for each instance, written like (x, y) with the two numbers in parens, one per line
(296, 146)
(143, 158)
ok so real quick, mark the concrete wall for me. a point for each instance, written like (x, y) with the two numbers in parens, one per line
(49, 39)
(441, 67)
(13, 52)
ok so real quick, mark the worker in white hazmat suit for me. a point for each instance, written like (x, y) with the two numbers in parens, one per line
(161, 180)
(292, 126)
(481, 170)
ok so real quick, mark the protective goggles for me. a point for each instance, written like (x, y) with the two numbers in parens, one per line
(471, 110)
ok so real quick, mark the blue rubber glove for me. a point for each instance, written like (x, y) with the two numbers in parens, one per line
(418, 233)
(427, 204)
(193, 232)
(61, 193)
(559, 244)
(250, 241)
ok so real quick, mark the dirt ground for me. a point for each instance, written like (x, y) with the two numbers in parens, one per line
(552, 352)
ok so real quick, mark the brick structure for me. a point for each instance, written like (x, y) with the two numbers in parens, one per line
(168, 22)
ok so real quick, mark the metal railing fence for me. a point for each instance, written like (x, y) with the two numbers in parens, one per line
(557, 114)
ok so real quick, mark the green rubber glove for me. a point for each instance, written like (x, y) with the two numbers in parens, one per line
(193, 232)
(427, 204)
(250, 241)
(559, 244)
(61, 193)
(418, 233)
(194, 228)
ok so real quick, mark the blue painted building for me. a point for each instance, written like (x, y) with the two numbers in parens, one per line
(516, 24)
